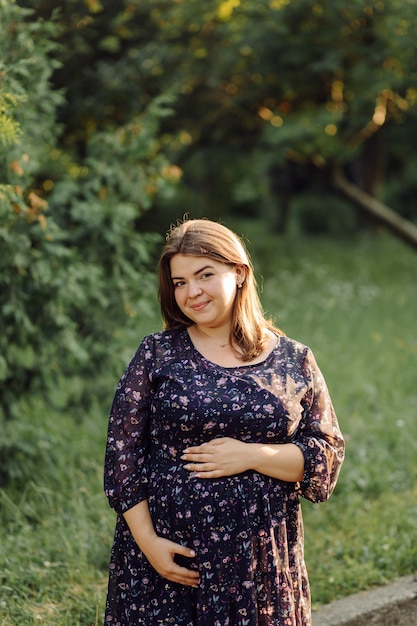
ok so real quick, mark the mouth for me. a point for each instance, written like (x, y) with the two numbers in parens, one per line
(199, 307)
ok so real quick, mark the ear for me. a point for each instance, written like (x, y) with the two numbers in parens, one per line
(240, 274)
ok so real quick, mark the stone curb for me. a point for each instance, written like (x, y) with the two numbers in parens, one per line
(391, 605)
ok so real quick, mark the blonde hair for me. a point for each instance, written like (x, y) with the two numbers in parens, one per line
(202, 237)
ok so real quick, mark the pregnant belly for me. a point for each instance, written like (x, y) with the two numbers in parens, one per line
(227, 521)
(193, 511)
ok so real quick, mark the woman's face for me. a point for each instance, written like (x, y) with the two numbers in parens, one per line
(205, 289)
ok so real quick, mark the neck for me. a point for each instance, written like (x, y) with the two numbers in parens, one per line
(219, 339)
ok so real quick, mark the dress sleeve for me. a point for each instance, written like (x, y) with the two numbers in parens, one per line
(319, 437)
(125, 481)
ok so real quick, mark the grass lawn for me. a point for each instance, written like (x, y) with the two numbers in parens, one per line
(355, 304)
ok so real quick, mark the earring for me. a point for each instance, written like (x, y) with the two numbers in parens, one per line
(239, 286)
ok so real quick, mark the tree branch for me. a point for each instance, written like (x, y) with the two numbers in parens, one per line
(401, 227)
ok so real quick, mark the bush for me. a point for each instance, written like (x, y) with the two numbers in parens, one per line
(74, 268)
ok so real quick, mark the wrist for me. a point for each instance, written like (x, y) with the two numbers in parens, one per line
(255, 456)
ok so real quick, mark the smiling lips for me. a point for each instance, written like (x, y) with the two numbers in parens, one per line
(199, 306)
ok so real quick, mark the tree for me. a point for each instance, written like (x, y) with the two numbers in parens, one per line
(270, 96)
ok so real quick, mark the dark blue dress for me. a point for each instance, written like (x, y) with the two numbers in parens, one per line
(246, 529)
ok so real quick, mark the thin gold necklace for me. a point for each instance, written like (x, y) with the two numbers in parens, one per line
(203, 334)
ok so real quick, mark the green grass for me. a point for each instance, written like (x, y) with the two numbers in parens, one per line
(55, 552)
(355, 304)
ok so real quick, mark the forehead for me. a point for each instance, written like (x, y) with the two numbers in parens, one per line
(183, 265)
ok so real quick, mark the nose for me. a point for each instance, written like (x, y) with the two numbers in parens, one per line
(194, 289)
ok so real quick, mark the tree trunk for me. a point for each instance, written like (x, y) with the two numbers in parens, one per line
(401, 227)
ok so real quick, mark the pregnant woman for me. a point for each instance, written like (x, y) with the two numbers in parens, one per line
(219, 424)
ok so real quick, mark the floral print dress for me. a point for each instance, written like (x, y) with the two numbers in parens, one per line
(246, 529)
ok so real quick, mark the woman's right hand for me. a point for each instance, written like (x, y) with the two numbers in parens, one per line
(161, 553)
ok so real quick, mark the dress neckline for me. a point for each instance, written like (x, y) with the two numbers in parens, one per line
(232, 367)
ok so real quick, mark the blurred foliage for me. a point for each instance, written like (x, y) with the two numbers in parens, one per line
(268, 95)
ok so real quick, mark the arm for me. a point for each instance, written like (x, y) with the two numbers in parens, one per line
(127, 436)
(125, 479)
(319, 437)
(283, 461)
(160, 552)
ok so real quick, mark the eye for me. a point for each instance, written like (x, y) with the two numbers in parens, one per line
(206, 275)
(179, 283)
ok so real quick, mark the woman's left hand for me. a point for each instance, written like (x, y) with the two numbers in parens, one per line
(219, 457)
